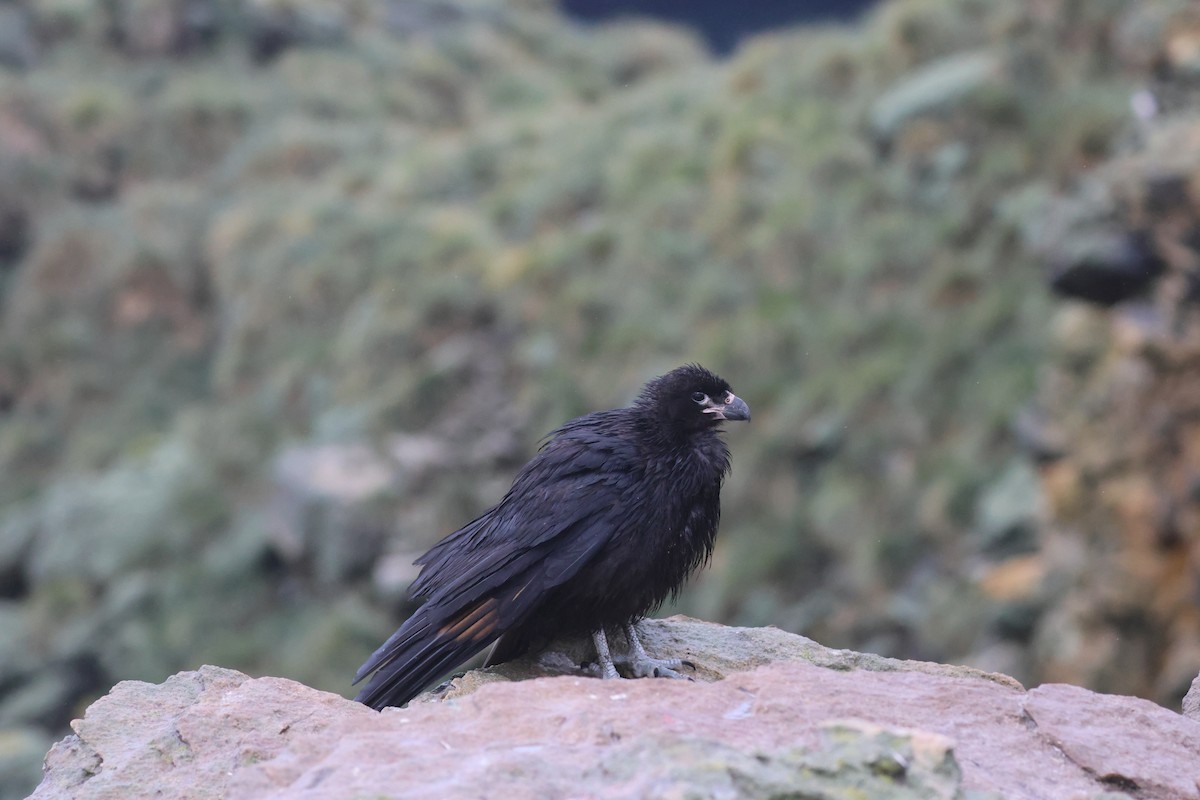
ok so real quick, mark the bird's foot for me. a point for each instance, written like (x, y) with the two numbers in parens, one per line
(637, 662)
(644, 666)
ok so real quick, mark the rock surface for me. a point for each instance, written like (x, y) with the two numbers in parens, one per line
(1191, 701)
(769, 714)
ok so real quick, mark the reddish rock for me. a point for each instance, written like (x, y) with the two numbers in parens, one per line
(812, 722)
(1085, 726)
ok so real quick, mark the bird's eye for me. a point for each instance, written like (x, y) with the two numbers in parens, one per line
(699, 397)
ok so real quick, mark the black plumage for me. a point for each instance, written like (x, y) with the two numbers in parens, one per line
(599, 528)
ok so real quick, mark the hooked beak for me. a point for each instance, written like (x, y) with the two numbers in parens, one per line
(733, 409)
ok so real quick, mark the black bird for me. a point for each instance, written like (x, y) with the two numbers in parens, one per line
(606, 521)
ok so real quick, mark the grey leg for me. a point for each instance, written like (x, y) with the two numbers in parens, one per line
(642, 665)
(608, 670)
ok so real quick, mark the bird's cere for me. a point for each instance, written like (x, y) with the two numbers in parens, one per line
(599, 528)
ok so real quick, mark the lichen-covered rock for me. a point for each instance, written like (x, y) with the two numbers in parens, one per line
(805, 722)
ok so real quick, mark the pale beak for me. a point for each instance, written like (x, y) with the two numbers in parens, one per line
(733, 409)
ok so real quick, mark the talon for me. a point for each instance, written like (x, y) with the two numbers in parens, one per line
(642, 665)
(666, 672)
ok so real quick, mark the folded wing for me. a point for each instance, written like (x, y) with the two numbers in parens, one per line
(493, 573)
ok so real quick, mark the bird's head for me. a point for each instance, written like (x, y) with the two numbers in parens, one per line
(690, 398)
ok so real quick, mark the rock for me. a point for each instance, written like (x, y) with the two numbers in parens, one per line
(1080, 723)
(770, 714)
(1090, 252)
(1104, 267)
(273, 27)
(1007, 513)
(325, 508)
(716, 651)
(1191, 701)
(930, 89)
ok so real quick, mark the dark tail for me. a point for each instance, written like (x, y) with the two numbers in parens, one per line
(424, 649)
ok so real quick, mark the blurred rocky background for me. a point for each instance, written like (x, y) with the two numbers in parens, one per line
(290, 288)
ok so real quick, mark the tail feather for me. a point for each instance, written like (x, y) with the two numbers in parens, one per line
(413, 630)
(421, 651)
(397, 683)
(472, 607)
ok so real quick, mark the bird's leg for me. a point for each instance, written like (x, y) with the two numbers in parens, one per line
(642, 665)
(608, 670)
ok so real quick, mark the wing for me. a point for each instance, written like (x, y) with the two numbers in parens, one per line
(583, 458)
(492, 574)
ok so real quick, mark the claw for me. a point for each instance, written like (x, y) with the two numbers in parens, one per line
(642, 665)
(665, 672)
(653, 667)
(637, 663)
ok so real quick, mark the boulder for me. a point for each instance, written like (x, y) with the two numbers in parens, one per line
(1191, 701)
(769, 714)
